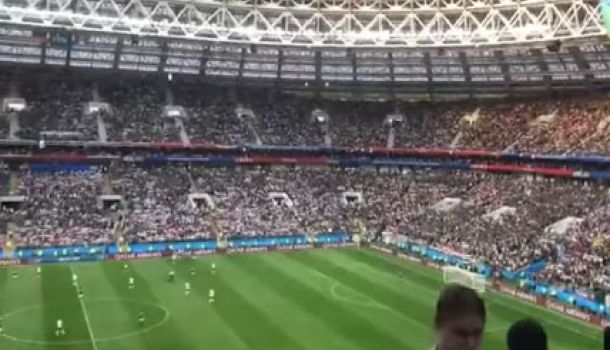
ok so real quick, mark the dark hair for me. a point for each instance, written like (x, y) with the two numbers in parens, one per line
(456, 300)
(526, 334)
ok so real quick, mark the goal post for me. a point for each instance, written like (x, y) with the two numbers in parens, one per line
(452, 274)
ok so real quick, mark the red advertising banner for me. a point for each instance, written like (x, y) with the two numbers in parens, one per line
(568, 310)
(382, 249)
(550, 304)
(409, 258)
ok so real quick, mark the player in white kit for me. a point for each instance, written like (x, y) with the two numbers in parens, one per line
(132, 283)
(171, 276)
(74, 279)
(211, 295)
(60, 328)
(187, 288)
(213, 268)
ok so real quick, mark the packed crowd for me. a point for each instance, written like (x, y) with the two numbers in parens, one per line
(552, 125)
(136, 113)
(211, 116)
(55, 106)
(64, 208)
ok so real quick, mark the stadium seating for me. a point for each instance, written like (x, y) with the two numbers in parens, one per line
(553, 125)
(504, 221)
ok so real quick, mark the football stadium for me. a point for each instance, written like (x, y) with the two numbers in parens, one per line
(304, 174)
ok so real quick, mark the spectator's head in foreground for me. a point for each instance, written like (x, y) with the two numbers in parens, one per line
(460, 319)
(526, 335)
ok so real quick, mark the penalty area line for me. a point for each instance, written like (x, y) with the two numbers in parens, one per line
(86, 316)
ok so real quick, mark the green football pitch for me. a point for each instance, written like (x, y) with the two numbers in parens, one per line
(345, 299)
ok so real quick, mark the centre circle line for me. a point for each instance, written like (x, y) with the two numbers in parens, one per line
(166, 314)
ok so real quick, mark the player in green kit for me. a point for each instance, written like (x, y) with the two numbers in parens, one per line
(213, 268)
(141, 318)
(171, 276)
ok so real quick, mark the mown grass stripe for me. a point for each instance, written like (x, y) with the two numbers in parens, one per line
(338, 317)
(255, 328)
(382, 315)
(169, 335)
(210, 329)
(403, 303)
(59, 301)
(311, 326)
(85, 316)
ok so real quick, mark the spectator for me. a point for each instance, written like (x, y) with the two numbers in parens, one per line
(460, 319)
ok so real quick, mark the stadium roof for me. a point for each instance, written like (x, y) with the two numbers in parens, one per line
(497, 50)
(321, 23)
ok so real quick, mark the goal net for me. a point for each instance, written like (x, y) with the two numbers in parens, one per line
(452, 274)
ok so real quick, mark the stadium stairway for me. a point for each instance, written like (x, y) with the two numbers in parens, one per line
(391, 137)
(247, 116)
(456, 140)
(102, 132)
(169, 96)
(184, 137)
(10, 186)
(12, 117)
(255, 135)
(178, 122)
(328, 141)
(115, 216)
(14, 183)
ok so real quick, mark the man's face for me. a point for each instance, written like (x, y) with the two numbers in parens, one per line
(461, 333)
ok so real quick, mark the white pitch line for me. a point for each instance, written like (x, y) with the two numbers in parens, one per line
(86, 315)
